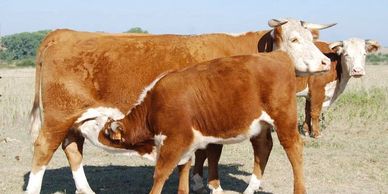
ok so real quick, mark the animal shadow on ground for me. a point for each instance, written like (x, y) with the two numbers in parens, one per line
(129, 179)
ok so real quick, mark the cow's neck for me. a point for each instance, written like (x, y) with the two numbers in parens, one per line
(135, 124)
(259, 41)
(342, 81)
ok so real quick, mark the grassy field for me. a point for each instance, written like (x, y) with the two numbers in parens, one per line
(351, 156)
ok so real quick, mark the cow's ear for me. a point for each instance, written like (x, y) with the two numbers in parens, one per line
(371, 46)
(116, 130)
(337, 47)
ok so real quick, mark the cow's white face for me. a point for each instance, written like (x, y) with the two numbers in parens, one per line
(353, 54)
(292, 37)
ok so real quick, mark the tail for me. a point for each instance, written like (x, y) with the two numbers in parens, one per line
(35, 115)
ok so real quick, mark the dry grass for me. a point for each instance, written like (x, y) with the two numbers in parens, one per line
(351, 157)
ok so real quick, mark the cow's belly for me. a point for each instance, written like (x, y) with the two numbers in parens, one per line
(200, 141)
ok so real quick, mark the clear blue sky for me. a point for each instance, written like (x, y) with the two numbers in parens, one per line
(363, 19)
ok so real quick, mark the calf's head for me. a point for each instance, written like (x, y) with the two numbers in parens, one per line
(114, 130)
(353, 54)
(295, 38)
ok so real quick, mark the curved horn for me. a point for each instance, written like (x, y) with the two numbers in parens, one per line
(337, 47)
(317, 26)
(275, 23)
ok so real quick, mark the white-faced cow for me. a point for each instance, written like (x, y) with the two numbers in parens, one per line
(78, 70)
(347, 60)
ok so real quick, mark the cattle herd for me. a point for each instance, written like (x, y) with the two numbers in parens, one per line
(168, 97)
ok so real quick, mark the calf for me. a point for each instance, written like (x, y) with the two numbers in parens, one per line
(347, 60)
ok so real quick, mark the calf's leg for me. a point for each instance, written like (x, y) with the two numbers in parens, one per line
(262, 146)
(213, 152)
(290, 140)
(170, 153)
(184, 171)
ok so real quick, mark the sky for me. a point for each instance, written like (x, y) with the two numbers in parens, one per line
(367, 19)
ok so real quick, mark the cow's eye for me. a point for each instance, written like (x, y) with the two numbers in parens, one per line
(294, 40)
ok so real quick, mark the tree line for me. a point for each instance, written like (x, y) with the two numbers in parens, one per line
(20, 49)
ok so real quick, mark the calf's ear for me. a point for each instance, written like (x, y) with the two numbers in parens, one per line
(371, 46)
(337, 47)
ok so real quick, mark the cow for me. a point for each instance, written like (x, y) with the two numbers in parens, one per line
(76, 70)
(347, 60)
(225, 100)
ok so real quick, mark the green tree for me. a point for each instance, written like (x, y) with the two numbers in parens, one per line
(22, 45)
(137, 30)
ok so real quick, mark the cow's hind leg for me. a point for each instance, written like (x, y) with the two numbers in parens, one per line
(73, 147)
(262, 146)
(45, 145)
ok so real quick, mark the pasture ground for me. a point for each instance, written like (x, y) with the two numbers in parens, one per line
(351, 157)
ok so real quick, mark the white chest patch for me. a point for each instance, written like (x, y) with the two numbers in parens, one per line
(329, 93)
(200, 141)
(94, 120)
(303, 93)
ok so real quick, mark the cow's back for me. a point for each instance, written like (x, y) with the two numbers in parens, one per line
(81, 68)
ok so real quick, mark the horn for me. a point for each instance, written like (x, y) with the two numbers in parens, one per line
(275, 23)
(316, 26)
(335, 44)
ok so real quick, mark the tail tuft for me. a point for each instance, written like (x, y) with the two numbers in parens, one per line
(35, 122)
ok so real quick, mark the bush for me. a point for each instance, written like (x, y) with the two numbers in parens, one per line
(377, 58)
(25, 63)
(22, 45)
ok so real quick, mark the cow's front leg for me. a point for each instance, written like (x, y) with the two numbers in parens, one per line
(307, 120)
(170, 153)
(317, 100)
(184, 171)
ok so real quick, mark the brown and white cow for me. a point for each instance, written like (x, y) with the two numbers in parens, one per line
(222, 101)
(347, 60)
(77, 70)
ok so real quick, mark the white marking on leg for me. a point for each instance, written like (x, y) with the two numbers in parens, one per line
(81, 183)
(35, 181)
(198, 183)
(254, 185)
(217, 190)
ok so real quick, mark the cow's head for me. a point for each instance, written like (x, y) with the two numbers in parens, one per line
(353, 54)
(295, 38)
